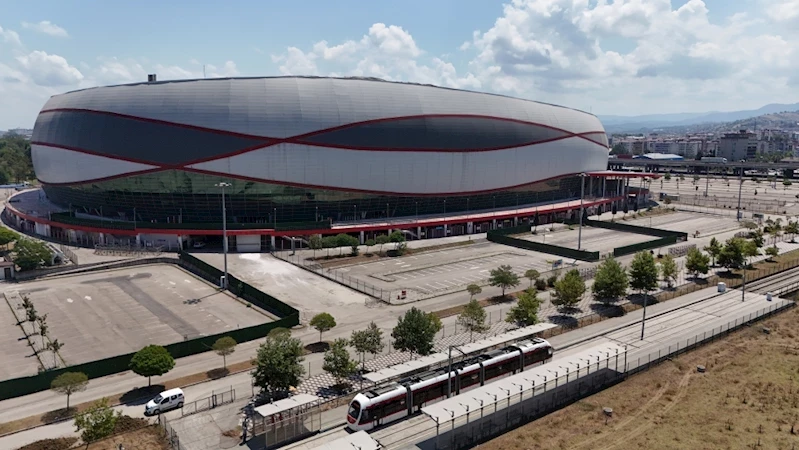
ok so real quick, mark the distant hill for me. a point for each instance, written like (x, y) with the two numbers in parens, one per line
(786, 120)
(652, 122)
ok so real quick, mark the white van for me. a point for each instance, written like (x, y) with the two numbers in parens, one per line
(172, 398)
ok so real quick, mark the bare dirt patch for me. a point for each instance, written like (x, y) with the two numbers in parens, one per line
(748, 394)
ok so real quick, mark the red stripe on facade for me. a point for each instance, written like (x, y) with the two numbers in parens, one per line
(299, 139)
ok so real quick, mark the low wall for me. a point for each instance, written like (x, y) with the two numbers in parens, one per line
(501, 236)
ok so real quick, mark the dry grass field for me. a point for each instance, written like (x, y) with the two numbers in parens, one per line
(749, 394)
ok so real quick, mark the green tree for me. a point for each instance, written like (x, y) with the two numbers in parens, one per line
(610, 282)
(15, 159)
(696, 262)
(55, 346)
(568, 290)
(329, 242)
(316, 242)
(473, 290)
(97, 422)
(757, 238)
(713, 249)
(792, 228)
(643, 273)
(323, 322)
(532, 275)
(31, 315)
(619, 149)
(414, 332)
(525, 312)
(338, 362)
(772, 252)
(30, 254)
(43, 327)
(279, 331)
(223, 347)
(473, 318)
(398, 238)
(7, 236)
(381, 241)
(750, 251)
(668, 270)
(503, 277)
(69, 383)
(278, 363)
(732, 255)
(152, 361)
(343, 240)
(369, 243)
(366, 341)
(667, 176)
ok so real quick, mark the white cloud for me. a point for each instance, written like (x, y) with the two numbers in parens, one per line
(10, 36)
(783, 10)
(46, 27)
(49, 70)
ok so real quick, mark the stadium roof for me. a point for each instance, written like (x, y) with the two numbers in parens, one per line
(662, 156)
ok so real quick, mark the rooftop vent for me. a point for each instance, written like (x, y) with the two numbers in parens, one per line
(151, 78)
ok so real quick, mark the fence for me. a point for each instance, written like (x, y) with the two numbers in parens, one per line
(497, 417)
(331, 274)
(211, 402)
(170, 436)
(682, 250)
(637, 229)
(502, 236)
(635, 248)
(634, 366)
(127, 250)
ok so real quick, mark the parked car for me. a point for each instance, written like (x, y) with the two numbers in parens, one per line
(170, 399)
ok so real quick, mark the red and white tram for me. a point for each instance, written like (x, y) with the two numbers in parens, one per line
(397, 400)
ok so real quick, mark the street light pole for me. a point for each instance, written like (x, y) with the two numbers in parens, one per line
(224, 230)
(582, 194)
(740, 186)
(743, 287)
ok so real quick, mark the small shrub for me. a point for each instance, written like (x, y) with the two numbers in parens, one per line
(551, 281)
(541, 284)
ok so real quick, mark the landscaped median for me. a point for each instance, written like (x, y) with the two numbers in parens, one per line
(732, 279)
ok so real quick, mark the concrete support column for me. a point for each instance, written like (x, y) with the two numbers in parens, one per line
(590, 186)
(138, 239)
(445, 230)
(516, 221)
(362, 240)
(418, 232)
(272, 242)
(469, 227)
(494, 224)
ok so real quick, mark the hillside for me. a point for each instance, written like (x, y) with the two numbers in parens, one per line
(787, 120)
(648, 123)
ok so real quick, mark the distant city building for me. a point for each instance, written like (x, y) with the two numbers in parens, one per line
(24, 132)
(737, 146)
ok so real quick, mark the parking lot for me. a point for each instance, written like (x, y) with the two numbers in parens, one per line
(453, 269)
(445, 270)
(110, 313)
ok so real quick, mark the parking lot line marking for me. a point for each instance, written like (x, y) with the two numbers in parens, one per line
(187, 281)
(88, 298)
(172, 283)
(69, 300)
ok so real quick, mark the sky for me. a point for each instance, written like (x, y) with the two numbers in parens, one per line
(610, 57)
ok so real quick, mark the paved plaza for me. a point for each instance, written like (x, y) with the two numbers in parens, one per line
(105, 314)
(450, 270)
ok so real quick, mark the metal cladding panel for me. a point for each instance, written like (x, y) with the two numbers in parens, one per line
(57, 165)
(411, 172)
(291, 106)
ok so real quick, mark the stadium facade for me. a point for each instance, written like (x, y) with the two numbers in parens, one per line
(307, 154)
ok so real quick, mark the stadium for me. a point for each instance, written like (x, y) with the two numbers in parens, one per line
(303, 155)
